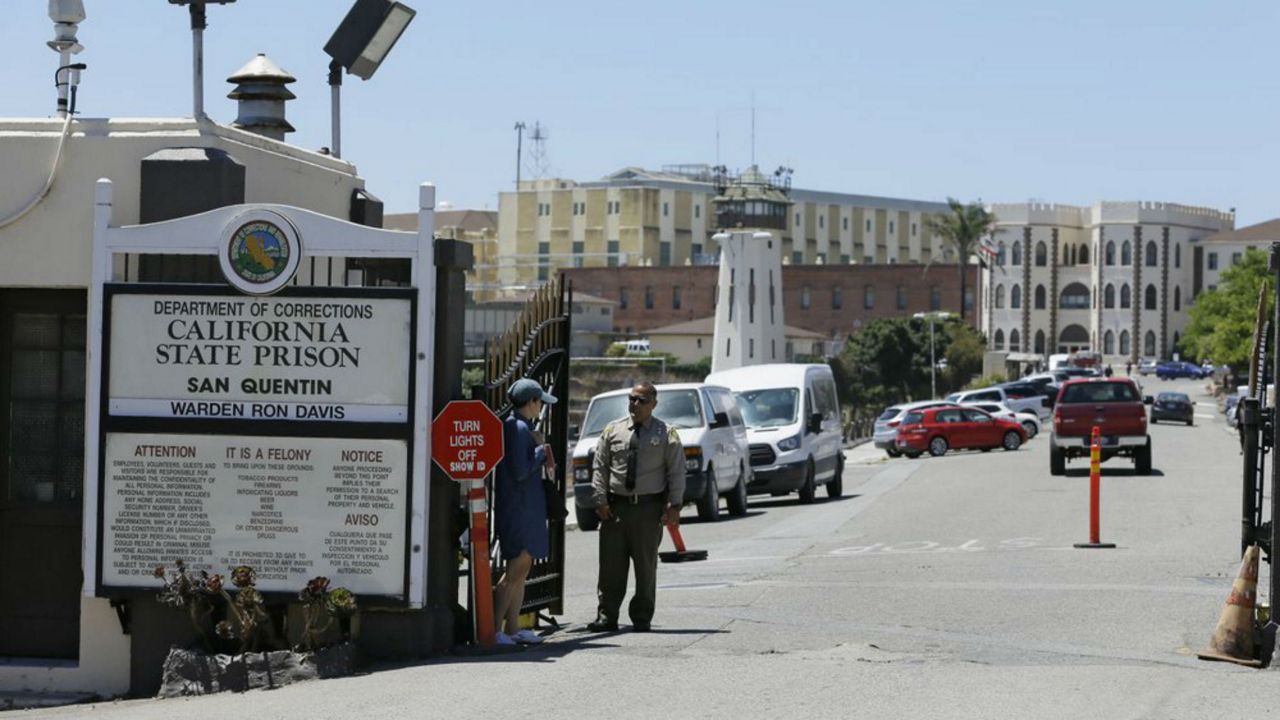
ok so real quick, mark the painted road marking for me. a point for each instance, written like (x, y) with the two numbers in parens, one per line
(915, 547)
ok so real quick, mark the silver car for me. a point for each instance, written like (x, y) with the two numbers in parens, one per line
(885, 433)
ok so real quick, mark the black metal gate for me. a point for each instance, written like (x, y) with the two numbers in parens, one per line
(537, 347)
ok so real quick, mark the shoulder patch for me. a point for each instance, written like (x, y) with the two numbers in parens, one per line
(672, 435)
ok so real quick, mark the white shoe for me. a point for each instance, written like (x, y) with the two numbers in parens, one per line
(528, 637)
(502, 638)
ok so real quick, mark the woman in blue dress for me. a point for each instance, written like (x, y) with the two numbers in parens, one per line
(520, 507)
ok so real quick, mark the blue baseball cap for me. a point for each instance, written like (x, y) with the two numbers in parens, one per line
(526, 390)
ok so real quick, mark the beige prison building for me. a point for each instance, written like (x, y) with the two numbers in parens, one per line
(662, 218)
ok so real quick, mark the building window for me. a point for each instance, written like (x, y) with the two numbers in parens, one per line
(902, 297)
(1040, 297)
(1126, 299)
(1074, 297)
(868, 224)
(837, 298)
(695, 253)
(845, 223)
(1236, 257)
(664, 254)
(733, 284)
(751, 347)
(699, 343)
(1109, 297)
(890, 227)
(623, 297)
(1151, 254)
(1149, 344)
(1126, 254)
(1177, 299)
(666, 208)
(697, 211)
(821, 222)
(1084, 254)
(1042, 254)
(1039, 347)
(648, 297)
(1213, 261)
(751, 296)
(913, 229)
(578, 249)
(1177, 256)
(1000, 256)
(935, 298)
(797, 257)
(805, 298)
(1149, 301)
(1110, 254)
(869, 297)
(999, 340)
(612, 250)
(999, 297)
(845, 259)
(1015, 297)
(1124, 342)
(675, 298)
(544, 270)
(968, 299)
(797, 219)
(1017, 254)
(1109, 343)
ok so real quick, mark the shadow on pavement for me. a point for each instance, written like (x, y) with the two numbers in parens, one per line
(789, 500)
(1114, 472)
(558, 644)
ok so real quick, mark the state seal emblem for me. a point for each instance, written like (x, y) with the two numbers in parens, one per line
(261, 252)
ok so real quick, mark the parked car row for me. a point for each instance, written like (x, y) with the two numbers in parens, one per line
(764, 429)
(951, 427)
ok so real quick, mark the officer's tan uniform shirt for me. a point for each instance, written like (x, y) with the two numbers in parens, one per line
(659, 465)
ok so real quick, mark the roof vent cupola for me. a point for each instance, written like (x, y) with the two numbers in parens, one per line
(261, 92)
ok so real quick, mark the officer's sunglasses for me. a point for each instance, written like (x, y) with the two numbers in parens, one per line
(638, 399)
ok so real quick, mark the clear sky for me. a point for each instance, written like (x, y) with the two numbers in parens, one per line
(1003, 100)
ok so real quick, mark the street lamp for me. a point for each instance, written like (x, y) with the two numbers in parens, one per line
(933, 363)
(360, 44)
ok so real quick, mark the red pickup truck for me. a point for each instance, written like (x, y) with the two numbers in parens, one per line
(1116, 406)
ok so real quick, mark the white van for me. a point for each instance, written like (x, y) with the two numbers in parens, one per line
(793, 425)
(711, 429)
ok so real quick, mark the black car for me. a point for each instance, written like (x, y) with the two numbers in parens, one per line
(1173, 406)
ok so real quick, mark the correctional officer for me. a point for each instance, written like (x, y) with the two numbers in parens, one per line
(637, 482)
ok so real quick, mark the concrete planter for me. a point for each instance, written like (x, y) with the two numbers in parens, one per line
(192, 672)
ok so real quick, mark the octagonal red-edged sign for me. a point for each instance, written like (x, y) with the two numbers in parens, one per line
(466, 440)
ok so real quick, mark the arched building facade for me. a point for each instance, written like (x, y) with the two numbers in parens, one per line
(1115, 277)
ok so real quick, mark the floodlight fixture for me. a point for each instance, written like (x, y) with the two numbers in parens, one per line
(360, 44)
(367, 34)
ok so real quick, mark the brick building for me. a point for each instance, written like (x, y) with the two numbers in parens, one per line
(832, 300)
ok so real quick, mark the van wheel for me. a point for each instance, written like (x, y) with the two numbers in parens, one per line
(1012, 441)
(587, 519)
(709, 503)
(737, 498)
(808, 491)
(938, 446)
(1057, 463)
(835, 486)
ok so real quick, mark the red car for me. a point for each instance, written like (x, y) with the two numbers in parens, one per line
(944, 428)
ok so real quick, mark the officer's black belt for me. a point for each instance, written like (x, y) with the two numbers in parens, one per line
(636, 499)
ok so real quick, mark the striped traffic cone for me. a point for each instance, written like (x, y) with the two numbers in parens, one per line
(1233, 639)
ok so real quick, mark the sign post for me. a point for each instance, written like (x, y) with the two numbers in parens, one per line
(466, 442)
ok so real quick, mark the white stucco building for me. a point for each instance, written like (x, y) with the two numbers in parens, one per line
(1115, 277)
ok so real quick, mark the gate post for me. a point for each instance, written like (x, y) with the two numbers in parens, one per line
(454, 259)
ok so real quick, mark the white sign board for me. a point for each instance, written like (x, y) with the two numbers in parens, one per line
(344, 359)
(290, 507)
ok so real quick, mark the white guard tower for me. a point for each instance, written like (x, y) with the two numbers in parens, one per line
(752, 208)
(749, 317)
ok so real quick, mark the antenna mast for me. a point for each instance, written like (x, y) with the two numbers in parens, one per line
(539, 165)
(198, 24)
(519, 142)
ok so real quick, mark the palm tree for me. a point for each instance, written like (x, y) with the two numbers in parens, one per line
(963, 229)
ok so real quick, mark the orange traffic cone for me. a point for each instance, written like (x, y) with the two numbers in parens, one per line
(1233, 639)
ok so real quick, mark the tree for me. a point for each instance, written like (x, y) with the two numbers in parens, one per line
(963, 229)
(1222, 319)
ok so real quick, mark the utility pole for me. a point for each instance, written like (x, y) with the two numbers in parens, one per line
(519, 142)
